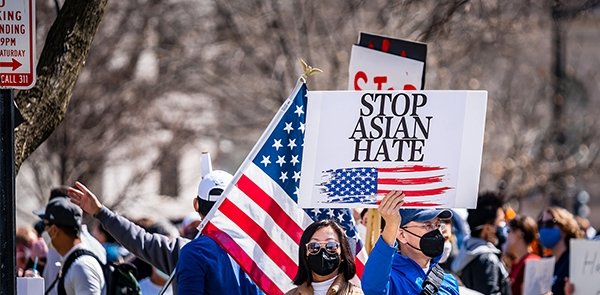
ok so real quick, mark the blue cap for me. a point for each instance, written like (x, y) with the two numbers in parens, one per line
(423, 215)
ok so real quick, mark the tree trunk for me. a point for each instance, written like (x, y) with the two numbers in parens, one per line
(65, 51)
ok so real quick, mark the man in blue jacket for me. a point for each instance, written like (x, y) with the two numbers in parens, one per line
(416, 234)
(203, 267)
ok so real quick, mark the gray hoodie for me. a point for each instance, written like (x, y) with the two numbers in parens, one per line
(479, 267)
(160, 251)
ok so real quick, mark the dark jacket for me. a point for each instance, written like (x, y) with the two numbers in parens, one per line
(204, 268)
(479, 267)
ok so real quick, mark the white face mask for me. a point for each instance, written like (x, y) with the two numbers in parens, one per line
(447, 251)
(47, 240)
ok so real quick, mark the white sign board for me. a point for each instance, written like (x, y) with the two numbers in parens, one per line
(584, 266)
(375, 70)
(361, 144)
(538, 276)
(17, 44)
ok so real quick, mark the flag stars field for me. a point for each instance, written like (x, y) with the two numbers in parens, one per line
(288, 127)
(281, 160)
(265, 161)
(299, 110)
(294, 160)
(283, 176)
(296, 176)
(277, 144)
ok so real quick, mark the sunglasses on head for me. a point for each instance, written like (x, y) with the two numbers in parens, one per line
(546, 223)
(314, 247)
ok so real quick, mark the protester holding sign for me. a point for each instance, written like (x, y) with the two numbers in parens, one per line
(413, 269)
(522, 233)
(325, 261)
(557, 226)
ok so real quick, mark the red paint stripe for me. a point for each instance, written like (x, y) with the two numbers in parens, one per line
(410, 181)
(419, 193)
(260, 236)
(415, 168)
(421, 204)
(416, 204)
(246, 262)
(266, 202)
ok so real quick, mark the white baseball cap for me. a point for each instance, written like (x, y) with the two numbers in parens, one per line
(215, 179)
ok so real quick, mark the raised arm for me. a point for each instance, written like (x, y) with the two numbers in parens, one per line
(159, 250)
(376, 277)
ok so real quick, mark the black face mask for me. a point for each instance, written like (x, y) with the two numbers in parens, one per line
(323, 263)
(431, 244)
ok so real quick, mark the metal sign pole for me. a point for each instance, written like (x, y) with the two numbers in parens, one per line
(7, 195)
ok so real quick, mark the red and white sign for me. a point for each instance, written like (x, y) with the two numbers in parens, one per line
(17, 44)
(375, 70)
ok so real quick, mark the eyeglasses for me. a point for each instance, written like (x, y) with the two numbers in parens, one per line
(429, 226)
(546, 223)
(314, 247)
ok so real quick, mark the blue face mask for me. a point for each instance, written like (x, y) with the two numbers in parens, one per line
(549, 236)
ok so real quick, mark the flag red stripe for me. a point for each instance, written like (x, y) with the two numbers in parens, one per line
(246, 262)
(419, 193)
(415, 168)
(260, 236)
(266, 202)
(360, 267)
(410, 181)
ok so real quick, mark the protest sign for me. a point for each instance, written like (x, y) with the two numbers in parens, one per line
(399, 47)
(538, 276)
(584, 266)
(361, 144)
(383, 63)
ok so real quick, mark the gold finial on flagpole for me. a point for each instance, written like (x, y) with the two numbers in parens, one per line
(308, 70)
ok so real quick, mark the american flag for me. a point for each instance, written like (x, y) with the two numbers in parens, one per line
(420, 184)
(258, 221)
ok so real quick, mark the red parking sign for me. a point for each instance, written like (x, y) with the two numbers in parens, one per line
(17, 44)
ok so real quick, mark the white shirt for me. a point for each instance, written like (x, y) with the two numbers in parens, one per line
(149, 288)
(53, 259)
(321, 288)
(85, 275)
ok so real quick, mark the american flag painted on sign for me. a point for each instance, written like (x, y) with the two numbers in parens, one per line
(421, 184)
(258, 221)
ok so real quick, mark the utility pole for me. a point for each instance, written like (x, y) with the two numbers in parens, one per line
(7, 195)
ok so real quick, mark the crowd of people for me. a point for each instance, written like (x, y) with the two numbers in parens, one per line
(419, 251)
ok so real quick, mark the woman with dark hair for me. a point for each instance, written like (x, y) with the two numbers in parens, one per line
(557, 226)
(325, 263)
(523, 231)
